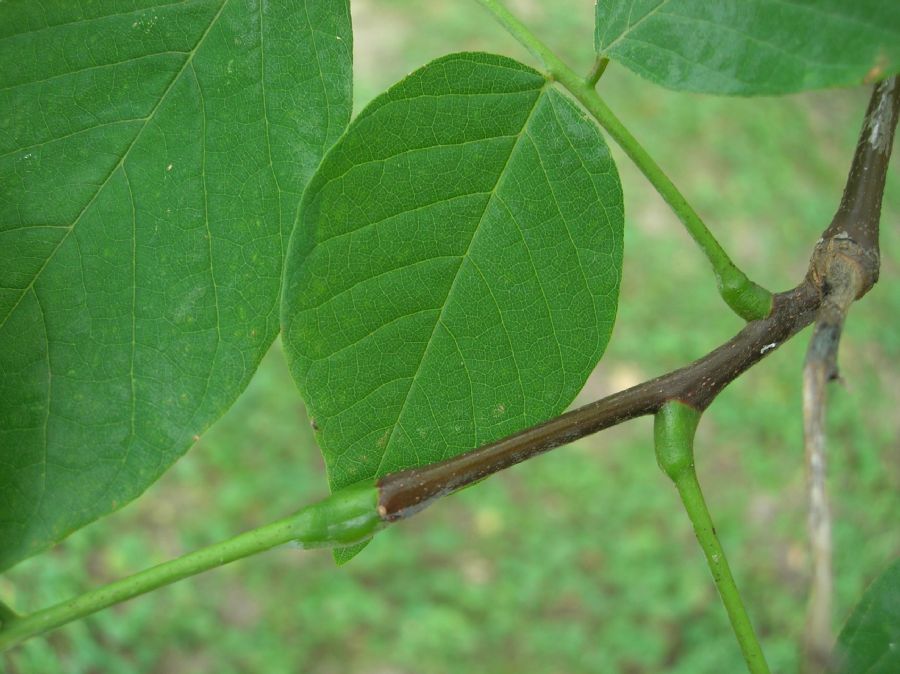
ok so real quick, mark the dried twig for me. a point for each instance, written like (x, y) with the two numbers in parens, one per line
(846, 265)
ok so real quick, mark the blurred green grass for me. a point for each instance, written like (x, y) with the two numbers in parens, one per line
(581, 560)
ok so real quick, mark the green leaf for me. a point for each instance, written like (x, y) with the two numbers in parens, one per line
(454, 273)
(748, 47)
(152, 156)
(870, 641)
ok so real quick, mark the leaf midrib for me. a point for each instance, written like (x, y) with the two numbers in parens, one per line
(500, 174)
(631, 27)
(118, 165)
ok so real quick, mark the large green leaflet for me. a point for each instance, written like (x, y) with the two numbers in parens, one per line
(455, 269)
(750, 47)
(868, 644)
(152, 156)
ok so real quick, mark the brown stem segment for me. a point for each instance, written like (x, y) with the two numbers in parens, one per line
(858, 215)
(406, 492)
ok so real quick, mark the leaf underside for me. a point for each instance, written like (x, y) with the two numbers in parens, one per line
(870, 640)
(747, 47)
(152, 156)
(455, 269)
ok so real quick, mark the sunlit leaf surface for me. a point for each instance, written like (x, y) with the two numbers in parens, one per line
(455, 270)
(750, 47)
(152, 156)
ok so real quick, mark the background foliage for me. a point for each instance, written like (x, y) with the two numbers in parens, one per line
(581, 560)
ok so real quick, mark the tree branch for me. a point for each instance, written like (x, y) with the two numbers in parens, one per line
(846, 267)
(404, 493)
(348, 516)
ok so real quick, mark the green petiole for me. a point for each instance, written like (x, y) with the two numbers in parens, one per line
(673, 430)
(596, 71)
(346, 517)
(747, 299)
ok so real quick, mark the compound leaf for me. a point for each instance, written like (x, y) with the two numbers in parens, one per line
(748, 47)
(455, 269)
(152, 156)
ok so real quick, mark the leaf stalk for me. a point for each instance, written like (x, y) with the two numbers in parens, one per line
(346, 517)
(596, 72)
(674, 428)
(747, 299)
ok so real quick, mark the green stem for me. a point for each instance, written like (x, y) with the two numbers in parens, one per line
(749, 300)
(674, 428)
(597, 71)
(344, 518)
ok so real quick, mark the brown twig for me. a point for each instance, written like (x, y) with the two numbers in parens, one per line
(406, 492)
(846, 266)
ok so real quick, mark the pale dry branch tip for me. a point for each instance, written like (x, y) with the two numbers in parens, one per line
(845, 266)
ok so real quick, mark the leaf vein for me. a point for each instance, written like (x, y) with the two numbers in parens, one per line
(118, 164)
(440, 318)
